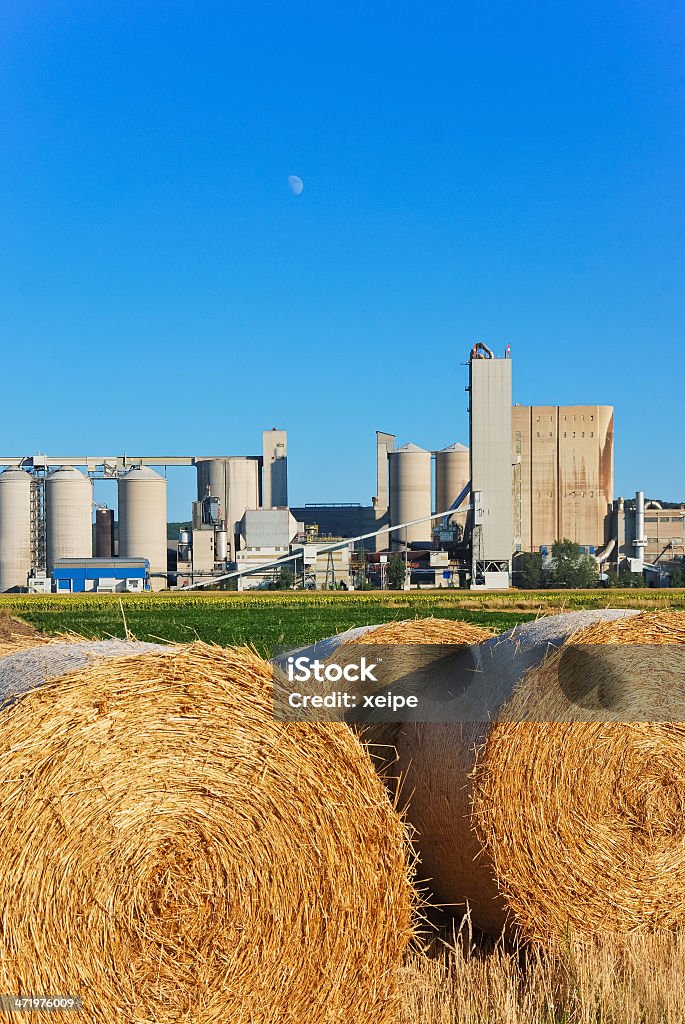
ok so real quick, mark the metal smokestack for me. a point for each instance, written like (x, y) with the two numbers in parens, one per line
(640, 542)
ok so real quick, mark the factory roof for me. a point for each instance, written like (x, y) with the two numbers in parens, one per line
(456, 447)
(409, 447)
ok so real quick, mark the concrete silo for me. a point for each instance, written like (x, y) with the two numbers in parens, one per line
(15, 528)
(243, 492)
(410, 493)
(235, 481)
(69, 515)
(142, 520)
(104, 533)
(451, 476)
(213, 474)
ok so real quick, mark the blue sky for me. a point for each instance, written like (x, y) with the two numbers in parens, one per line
(502, 172)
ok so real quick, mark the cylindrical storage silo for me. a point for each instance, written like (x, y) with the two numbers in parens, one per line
(104, 533)
(410, 493)
(185, 546)
(452, 473)
(212, 478)
(243, 492)
(220, 545)
(142, 520)
(69, 514)
(15, 528)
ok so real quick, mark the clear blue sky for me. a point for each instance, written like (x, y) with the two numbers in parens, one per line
(506, 172)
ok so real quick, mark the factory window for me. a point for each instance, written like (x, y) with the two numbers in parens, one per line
(538, 420)
(564, 431)
(592, 433)
(538, 433)
(574, 433)
(652, 540)
(592, 417)
(651, 519)
(583, 434)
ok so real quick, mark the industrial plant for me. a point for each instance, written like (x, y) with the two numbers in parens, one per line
(461, 516)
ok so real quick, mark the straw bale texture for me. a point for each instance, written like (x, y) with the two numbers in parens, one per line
(424, 631)
(171, 853)
(382, 737)
(544, 815)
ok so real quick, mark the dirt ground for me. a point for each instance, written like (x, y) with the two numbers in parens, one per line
(10, 627)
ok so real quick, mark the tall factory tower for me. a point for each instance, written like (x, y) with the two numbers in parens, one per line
(491, 476)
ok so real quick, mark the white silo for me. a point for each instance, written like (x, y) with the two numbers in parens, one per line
(15, 528)
(410, 493)
(142, 520)
(69, 515)
(235, 481)
(243, 491)
(451, 476)
(213, 474)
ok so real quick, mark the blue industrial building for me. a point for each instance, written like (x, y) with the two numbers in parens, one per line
(104, 575)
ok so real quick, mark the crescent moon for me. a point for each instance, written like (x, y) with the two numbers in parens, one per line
(295, 184)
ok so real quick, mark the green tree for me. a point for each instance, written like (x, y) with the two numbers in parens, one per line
(571, 567)
(284, 579)
(676, 577)
(631, 580)
(532, 571)
(396, 571)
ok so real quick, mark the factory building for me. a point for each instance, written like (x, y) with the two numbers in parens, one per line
(563, 481)
(46, 516)
(491, 469)
(100, 575)
(530, 476)
(648, 537)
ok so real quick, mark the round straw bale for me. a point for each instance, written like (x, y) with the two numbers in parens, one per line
(424, 631)
(382, 737)
(172, 853)
(543, 812)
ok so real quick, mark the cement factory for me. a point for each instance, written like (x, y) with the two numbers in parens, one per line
(459, 517)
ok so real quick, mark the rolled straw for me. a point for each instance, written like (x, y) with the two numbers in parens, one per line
(171, 853)
(561, 814)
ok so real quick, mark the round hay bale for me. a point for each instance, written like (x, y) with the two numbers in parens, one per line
(558, 814)
(172, 853)
(382, 738)
(424, 631)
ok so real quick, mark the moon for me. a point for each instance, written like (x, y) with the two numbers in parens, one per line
(295, 184)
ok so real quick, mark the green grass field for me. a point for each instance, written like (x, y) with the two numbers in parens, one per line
(267, 620)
